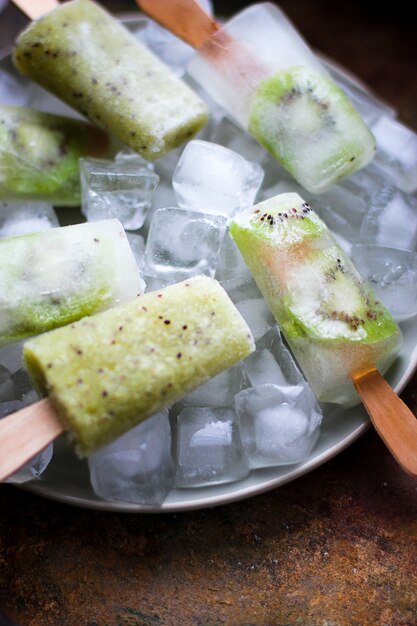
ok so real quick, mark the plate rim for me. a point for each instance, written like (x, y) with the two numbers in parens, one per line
(40, 488)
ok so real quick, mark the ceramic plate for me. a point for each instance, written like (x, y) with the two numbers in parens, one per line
(67, 480)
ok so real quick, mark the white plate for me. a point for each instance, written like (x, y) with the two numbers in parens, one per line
(67, 480)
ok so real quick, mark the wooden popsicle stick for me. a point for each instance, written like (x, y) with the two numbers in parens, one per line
(393, 420)
(25, 433)
(185, 18)
(35, 8)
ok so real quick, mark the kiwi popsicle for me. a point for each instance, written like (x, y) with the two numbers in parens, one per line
(55, 277)
(84, 56)
(106, 373)
(328, 314)
(39, 155)
(262, 72)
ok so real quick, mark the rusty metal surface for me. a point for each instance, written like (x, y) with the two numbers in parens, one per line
(337, 547)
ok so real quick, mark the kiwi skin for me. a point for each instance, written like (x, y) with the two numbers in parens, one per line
(335, 144)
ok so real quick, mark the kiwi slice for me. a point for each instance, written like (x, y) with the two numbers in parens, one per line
(327, 300)
(309, 125)
(39, 155)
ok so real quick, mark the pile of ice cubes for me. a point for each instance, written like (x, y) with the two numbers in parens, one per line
(261, 412)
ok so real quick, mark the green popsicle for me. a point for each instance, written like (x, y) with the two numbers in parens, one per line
(328, 314)
(92, 62)
(106, 373)
(55, 277)
(39, 155)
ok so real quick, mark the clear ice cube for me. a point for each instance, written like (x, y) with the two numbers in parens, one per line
(7, 391)
(137, 467)
(391, 220)
(120, 189)
(208, 447)
(369, 106)
(250, 303)
(219, 390)
(272, 362)
(230, 265)
(214, 179)
(22, 218)
(228, 134)
(397, 152)
(342, 209)
(279, 425)
(392, 273)
(13, 89)
(137, 244)
(183, 243)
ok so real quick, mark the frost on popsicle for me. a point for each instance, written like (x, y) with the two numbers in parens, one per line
(262, 72)
(39, 155)
(55, 277)
(328, 314)
(108, 372)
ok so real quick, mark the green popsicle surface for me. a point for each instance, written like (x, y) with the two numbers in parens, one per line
(328, 314)
(54, 277)
(310, 126)
(84, 56)
(108, 372)
(39, 155)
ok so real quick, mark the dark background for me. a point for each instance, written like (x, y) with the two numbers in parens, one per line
(334, 548)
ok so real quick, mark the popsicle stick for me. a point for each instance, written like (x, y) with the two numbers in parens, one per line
(25, 433)
(35, 8)
(393, 420)
(185, 18)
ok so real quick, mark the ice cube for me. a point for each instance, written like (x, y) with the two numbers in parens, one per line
(137, 244)
(120, 189)
(397, 152)
(257, 315)
(392, 274)
(272, 362)
(214, 179)
(155, 283)
(22, 385)
(228, 134)
(183, 243)
(38, 464)
(137, 467)
(279, 425)
(391, 220)
(7, 391)
(13, 90)
(342, 209)
(230, 265)
(369, 106)
(218, 391)
(249, 301)
(11, 356)
(132, 158)
(27, 217)
(209, 449)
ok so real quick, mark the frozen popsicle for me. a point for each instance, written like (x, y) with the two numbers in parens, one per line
(106, 373)
(55, 277)
(88, 59)
(261, 71)
(328, 314)
(39, 155)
